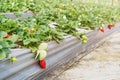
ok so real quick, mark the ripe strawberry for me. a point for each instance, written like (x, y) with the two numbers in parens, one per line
(102, 29)
(30, 31)
(110, 26)
(7, 36)
(42, 64)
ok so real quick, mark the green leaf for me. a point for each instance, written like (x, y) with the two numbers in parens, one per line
(3, 34)
(1, 47)
(4, 44)
(2, 55)
(33, 49)
(26, 42)
(6, 50)
(33, 40)
(13, 38)
(18, 14)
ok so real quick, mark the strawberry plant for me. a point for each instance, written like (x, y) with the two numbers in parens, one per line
(52, 20)
(6, 44)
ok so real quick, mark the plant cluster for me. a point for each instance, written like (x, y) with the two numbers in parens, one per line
(52, 20)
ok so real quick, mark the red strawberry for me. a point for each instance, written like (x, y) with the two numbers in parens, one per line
(102, 29)
(110, 26)
(7, 36)
(42, 64)
(30, 31)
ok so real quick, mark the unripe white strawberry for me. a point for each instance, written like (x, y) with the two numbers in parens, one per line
(43, 46)
(42, 54)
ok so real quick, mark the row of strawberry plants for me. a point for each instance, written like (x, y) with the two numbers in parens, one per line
(52, 20)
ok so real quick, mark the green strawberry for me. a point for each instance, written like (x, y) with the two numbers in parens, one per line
(84, 37)
(13, 59)
(84, 41)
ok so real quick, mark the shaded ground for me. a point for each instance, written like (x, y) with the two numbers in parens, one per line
(101, 64)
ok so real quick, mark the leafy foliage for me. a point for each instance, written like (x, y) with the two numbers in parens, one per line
(67, 15)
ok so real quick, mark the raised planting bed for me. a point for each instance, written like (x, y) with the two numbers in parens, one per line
(29, 28)
(27, 67)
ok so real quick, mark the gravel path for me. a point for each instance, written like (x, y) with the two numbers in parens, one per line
(101, 64)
